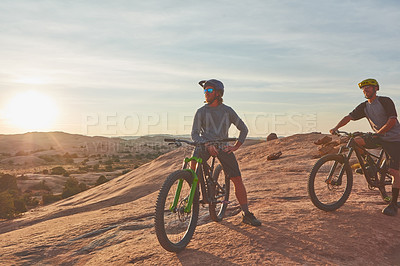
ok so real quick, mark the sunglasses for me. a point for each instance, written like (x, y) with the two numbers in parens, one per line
(209, 90)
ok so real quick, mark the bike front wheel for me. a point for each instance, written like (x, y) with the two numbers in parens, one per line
(219, 194)
(330, 182)
(174, 226)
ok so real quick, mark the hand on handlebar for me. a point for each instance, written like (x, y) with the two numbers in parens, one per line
(230, 149)
(334, 131)
(373, 135)
(212, 150)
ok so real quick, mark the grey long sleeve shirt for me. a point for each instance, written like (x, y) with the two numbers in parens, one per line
(212, 123)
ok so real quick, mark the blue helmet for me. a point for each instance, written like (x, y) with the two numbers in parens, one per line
(218, 85)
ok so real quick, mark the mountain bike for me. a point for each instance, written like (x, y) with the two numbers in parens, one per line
(331, 179)
(177, 207)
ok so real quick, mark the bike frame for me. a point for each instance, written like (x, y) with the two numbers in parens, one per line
(353, 146)
(202, 170)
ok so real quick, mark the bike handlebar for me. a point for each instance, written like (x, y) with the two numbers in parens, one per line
(349, 134)
(193, 143)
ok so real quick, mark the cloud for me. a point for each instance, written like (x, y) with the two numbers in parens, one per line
(139, 52)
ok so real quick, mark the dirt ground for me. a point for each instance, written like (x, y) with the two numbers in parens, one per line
(113, 224)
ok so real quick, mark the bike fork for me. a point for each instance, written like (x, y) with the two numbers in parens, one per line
(188, 207)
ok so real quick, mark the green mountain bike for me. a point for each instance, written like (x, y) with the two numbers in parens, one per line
(331, 179)
(177, 207)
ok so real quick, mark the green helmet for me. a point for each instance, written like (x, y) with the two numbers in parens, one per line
(369, 82)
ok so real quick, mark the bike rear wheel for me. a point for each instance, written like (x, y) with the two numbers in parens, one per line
(175, 228)
(326, 189)
(385, 180)
(219, 194)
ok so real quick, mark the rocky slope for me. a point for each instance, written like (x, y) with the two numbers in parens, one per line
(112, 224)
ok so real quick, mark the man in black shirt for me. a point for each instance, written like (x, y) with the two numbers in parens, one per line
(382, 116)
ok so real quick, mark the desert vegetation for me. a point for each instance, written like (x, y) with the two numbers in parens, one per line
(59, 165)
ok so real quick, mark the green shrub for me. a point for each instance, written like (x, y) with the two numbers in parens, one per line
(19, 205)
(50, 198)
(8, 182)
(108, 162)
(7, 207)
(40, 186)
(82, 186)
(29, 200)
(101, 180)
(126, 171)
(59, 170)
(71, 187)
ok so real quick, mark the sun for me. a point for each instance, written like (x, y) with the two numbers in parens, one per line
(31, 111)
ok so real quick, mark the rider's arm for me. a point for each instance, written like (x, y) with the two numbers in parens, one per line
(388, 126)
(196, 128)
(356, 114)
(235, 119)
(233, 148)
(391, 113)
(345, 120)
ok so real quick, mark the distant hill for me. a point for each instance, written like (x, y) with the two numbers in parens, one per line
(33, 142)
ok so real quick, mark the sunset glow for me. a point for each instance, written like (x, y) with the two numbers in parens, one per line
(31, 110)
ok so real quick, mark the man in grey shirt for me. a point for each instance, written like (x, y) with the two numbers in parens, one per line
(382, 116)
(212, 122)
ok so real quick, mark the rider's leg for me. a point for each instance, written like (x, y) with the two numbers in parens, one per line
(360, 141)
(193, 165)
(241, 195)
(395, 184)
(393, 149)
(391, 209)
(240, 192)
(231, 169)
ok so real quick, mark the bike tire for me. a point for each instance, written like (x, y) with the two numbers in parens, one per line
(175, 229)
(219, 194)
(329, 197)
(385, 180)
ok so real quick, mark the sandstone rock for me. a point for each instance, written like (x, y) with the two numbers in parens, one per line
(274, 156)
(272, 136)
(324, 140)
(329, 149)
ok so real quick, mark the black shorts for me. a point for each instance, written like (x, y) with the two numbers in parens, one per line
(392, 148)
(227, 160)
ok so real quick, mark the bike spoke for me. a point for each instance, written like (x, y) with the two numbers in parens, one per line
(176, 222)
(330, 192)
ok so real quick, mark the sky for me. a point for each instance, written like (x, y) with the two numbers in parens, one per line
(121, 68)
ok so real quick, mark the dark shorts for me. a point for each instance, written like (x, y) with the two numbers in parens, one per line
(227, 160)
(392, 148)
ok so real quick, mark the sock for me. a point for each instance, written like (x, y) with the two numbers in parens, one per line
(395, 194)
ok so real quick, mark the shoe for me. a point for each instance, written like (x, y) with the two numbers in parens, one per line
(391, 209)
(249, 218)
